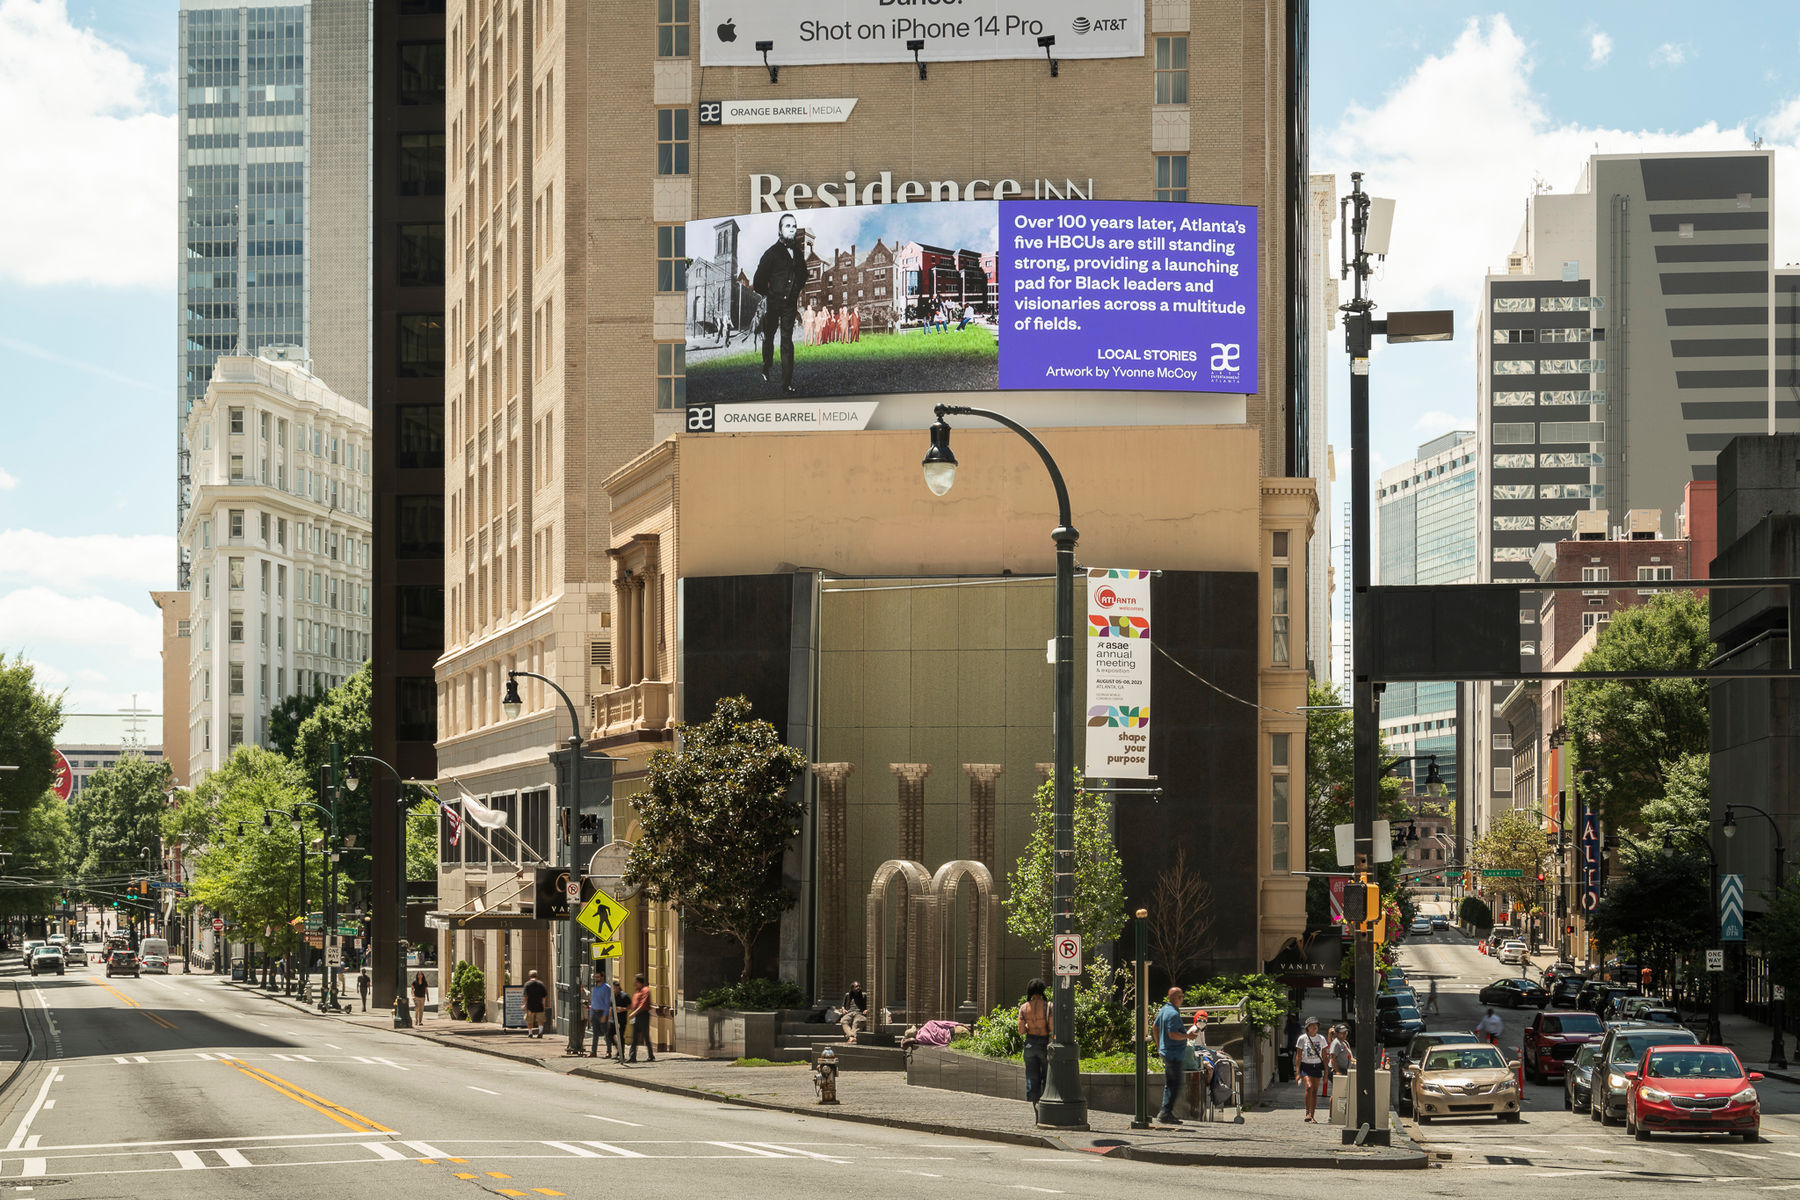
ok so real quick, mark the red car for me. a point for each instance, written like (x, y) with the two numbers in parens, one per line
(1691, 1089)
(1552, 1039)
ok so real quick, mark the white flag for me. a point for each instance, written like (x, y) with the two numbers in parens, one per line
(482, 815)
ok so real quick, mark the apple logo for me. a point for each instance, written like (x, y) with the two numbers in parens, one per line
(728, 32)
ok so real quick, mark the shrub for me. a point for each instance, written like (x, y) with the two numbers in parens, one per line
(1475, 913)
(1267, 997)
(997, 1034)
(1103, 1024)
(752, 995)
(468, 984)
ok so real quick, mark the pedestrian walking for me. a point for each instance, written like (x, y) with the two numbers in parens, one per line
(640, 1021)
(362, 986)
(1339, 1058)
(419, 990)
(619, 1013)
(1171, 1043)
(1431, 996)
(1490, 1026)
(1034, 1027)
(536, 994)
(600, 1015)
(1309, 1063)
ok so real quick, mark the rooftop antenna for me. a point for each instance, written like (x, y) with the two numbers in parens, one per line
(133, 738)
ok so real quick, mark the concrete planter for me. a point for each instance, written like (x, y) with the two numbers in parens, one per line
(725, 1032)
(952, 1070)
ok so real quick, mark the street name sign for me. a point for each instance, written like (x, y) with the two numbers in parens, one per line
(1504, 873)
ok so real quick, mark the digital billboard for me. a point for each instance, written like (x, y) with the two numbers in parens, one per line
(972, 295)
(812, 32)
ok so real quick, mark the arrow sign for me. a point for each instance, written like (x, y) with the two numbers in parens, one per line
(1731, 908)
(602, 916)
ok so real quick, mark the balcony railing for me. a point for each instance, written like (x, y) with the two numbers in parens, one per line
(641, 706)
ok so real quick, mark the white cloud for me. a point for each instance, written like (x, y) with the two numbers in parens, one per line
(7, 481)
(92, 196)
(1600, 48)
(1435, 422)
(1669, 54)
(143, 561)
(38, 619)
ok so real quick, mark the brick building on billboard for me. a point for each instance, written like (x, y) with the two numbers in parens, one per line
(598, 533)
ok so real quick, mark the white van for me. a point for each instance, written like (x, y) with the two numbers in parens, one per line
(153, 948)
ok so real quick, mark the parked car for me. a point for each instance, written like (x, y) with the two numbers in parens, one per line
(153, 964)
(1564, 991)
(1658, 1016)
(1466, 1080)
(1596, 994)
(1620, 1050)
(1558, 970)
(1395, 1026)
(1552, 1039)
(1414, 1054)
(1513, 953)
(1615, 998)
(1514, 993)
(1499, 935)
(122, 962)
(1421, 925)
(1691, 1089)
(1440, 924)
(1578, 1080)
(74, 955)
(46, 959)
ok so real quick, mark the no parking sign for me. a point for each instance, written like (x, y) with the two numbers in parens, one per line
(1068, 953)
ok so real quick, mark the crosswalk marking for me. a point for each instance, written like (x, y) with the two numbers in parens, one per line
(613, 1120)
(752, 1150)
(1742, 1154)
(35, 1167)
(577, 1151)
(383, 1151)
(232, 1158)
(791, 1150)
(619, 1151)
(190, 1160)
(426, 1149)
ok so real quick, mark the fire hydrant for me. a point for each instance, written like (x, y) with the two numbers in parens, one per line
(825, 1073)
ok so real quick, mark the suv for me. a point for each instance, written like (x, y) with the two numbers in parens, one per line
(45, 959)
(1552, 1039)
(1595, 994)
(1620, 1051)
(1513, 953)
(74, 955)
(122, 962)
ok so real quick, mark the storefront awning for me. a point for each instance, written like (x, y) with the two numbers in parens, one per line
(491, 919)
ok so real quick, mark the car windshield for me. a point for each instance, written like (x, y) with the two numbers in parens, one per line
(1631, 1047)
(1405, 1012)
(1658, 1016)
(1584, 1057)
(1465, 1058)
(1695, 1064)
(1572, 1023)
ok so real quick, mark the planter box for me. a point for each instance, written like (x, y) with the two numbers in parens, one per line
(952, 1070)
(725, 1032)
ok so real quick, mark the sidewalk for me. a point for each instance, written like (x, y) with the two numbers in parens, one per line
(1271, 1135)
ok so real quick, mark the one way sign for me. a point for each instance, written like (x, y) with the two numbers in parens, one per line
(1731, 908)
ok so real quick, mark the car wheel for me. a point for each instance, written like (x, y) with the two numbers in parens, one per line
(1568, 1100)
(1424, 1118)
(1512, 1118)
(1751, 1136)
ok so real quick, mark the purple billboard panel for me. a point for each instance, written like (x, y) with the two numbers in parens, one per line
(1128, 295)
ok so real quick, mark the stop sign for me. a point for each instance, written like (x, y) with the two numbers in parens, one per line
(218, 924)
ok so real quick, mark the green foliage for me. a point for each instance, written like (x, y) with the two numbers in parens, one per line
(716, 819)
(1475, 913)
(468, 985)
(286, 718)
(41, 850)
(118, 815)
(1780, 937)
(341, 717)
(1514, 841)
(1102, 1024)
(421, 841)
(752, 995)
(997, 1034)
(1685, 802)
(1629, 730)
(1268, 999)
(1331, 777)
(1099, 909)
(29, 720)
(1658, 909)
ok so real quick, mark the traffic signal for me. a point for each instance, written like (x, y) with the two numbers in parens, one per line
(1540, 877)
(549, 899)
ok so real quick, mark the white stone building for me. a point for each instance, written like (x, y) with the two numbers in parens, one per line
(278, 534)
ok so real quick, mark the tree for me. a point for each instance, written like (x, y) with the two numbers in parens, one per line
(118, 815)
(342, 716)
(422, 841)
(716, 820)
(1628, 730)
(1515, 842)
(1658, 909)
(1780, 938)
(1181, 917)
(29, 721)
(286, 718)
(41, 853)
(1331, 777)
(1099, 908)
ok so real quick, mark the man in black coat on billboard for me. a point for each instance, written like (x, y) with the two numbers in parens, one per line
(779, 277)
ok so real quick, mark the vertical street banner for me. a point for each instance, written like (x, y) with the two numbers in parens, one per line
(1590, 862)
(1731, 908)
(1118, 674)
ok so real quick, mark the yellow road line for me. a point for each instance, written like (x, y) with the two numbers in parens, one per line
(498, 1175)
(166, 1024)
(466, 1175)
(299, 1095)
(509, 1192)
(548, 1192)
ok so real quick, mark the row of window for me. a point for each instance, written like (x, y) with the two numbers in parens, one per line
(1553, 461)
(1518, 304)
(1549, 491)
(1526, 433)
(310, 637)
(1558, 396)
(314, 587)
(1426, 475)
(1549, 366)
(1525, 337)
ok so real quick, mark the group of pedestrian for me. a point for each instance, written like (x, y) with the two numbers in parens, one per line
(938, 319)
(419, 988)
(608, 1011)
(820, 326)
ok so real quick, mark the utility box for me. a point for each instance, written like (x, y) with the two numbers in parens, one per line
(1344, 1086)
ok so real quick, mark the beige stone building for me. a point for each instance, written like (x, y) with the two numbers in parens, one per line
(576, 529)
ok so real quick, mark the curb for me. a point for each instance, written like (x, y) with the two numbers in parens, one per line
(30, 1042)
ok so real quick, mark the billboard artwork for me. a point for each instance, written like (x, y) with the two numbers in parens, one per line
(972, 295)
(812, 32)
(1118, 674)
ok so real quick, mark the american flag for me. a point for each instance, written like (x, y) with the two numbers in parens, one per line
(455, 819)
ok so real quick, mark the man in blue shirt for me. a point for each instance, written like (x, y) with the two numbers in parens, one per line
(1171, 1042)
(600, 1014)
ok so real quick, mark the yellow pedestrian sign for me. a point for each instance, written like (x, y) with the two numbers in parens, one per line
(603, 917)
(600, 950)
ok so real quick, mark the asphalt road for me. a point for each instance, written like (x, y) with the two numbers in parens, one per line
(1551, 1143)
(183, 1087)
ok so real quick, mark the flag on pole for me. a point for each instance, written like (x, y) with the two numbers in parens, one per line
(455, 819)
(481, 814)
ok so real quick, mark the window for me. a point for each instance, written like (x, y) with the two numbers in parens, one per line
(206, 685)
(671, 28)
(263, 527)
(1574, 396)
(1278, 602)
(1566, 459)
(206, 535)
(421, 73)
(1515, 524)
(237, 679)
(1503, 778)
(235, 519)
(237, 468)
(1573, 366)
(1514, 337)
(1591, 619)
(1667, 572)
(1509, 554)
(1503, 399)
(421, 440)
(1171, 70)
(1565, 521)
(421, 166)
(265, 579)
(415, 708)
(235, 569)
(262, 680)
(1514, 433)
(420, 351)
(1279, 816)
(237, 731)
(1572, 431)
(236, 626)
(1171, 177)
(1515, 304)
(281, 633)
(671, 375)
(1507, 462)
(206, 735)
(671, 141)
(1515, 366)
(671, 258)
(419, 260)
(420, 521)
(237, 420)
(419, 617)
(206, 584)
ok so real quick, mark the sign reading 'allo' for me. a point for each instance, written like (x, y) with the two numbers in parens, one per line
(1118, 674)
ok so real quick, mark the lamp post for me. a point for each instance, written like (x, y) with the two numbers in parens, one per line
(328, 852)
(1777, 1053)
(512, 706)
(1360, 328)
(1062, 1105)
(1712, 988)
(402, 1014)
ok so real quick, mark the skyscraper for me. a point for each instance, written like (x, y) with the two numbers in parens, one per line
(274, 197)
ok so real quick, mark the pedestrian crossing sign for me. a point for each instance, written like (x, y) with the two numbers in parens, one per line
(602, 916)
(605, 950)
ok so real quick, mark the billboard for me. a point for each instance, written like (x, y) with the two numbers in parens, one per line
(64, 782)
(812, 32)
(1118, 674)
(971, 295)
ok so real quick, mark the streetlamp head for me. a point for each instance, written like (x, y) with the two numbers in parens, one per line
(267, 825)
(294, 820)
(510, 704)
(241, 826)
(350, 781)
(1434, 782)
(1668, 843)
(940, 463)
(1729, 825)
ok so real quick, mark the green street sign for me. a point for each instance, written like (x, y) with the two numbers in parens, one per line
(1505, 873)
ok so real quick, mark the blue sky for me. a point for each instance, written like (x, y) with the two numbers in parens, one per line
(1453, 109)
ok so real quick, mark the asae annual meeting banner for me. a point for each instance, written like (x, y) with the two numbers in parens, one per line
(1118, 674)
(865, 296)
(807, 32)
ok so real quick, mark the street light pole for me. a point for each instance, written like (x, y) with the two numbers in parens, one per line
(1062, 1105)
(402, 1013)
(1777, 1051)
(512, 706)
(1712, 859)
